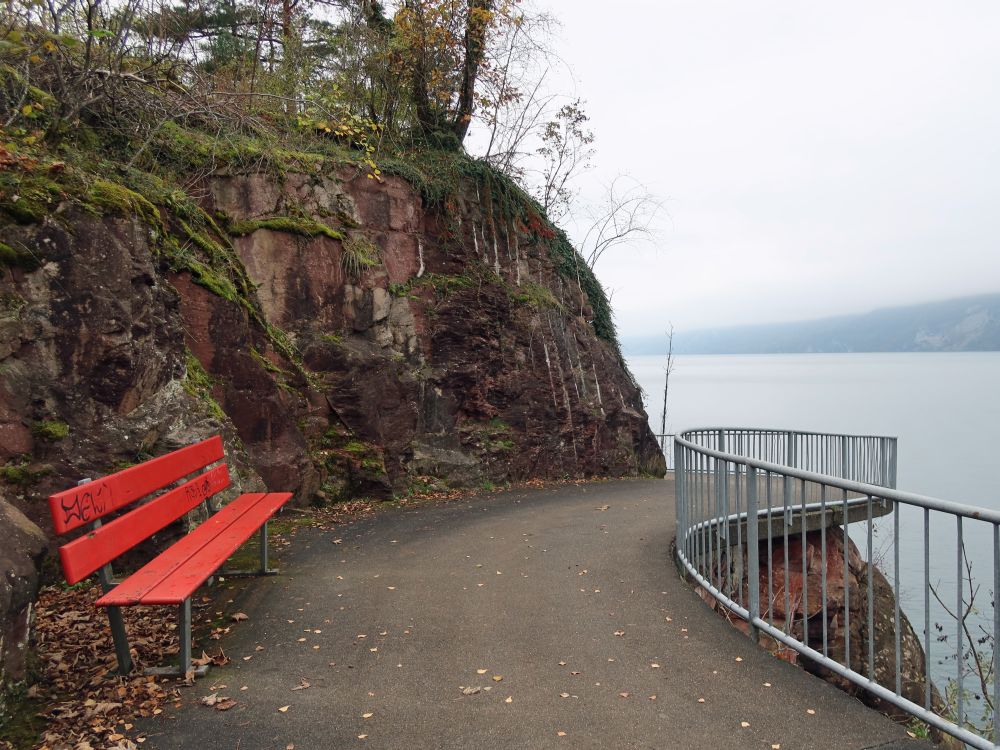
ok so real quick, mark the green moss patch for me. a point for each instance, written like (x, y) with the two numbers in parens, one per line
(22, 473)
(535, 295)
(119, 199)
(16, 258)
(198, 383)
(50, 431)
(301, 226)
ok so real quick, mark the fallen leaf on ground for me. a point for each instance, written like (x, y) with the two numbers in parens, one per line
(498, 678)
(481, 671)
(240, 617)
(284, 709)
(470, 690)
(509, 699)
(303, 684)
(367, 715)
(745, 724)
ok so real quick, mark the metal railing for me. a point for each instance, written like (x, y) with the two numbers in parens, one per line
(799, 486)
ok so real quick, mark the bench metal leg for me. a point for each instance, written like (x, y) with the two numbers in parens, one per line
(263, 570)
(184, 625)
(121, 640)
(184, 666)
(105, 575)
(263, 549)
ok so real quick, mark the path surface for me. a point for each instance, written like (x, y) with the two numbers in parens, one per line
(569, 594)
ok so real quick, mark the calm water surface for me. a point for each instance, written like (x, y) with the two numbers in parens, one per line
(943, 407)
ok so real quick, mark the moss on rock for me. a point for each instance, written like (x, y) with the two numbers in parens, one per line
(119, 199)
(49, 430)
(302, 226)
(11, 257)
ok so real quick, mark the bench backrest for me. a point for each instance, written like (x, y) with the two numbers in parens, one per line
(88, 502)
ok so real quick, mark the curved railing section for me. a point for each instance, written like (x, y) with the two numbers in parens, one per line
(767, 506)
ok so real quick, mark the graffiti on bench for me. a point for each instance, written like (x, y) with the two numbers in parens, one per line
(92, 501)
(207, 485)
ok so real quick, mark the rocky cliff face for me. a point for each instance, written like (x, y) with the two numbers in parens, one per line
(347, 336)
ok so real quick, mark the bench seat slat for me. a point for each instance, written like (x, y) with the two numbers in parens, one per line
(181, 569)
(186, 579)
(84, 555)
(86, 503)
(131, 590)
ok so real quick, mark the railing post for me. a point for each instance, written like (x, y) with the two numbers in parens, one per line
(893, 445)
(844, 474)
(680, 498)
(753, 553)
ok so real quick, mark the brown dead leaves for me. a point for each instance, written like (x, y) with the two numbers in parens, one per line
(218, 702)
(85, 702)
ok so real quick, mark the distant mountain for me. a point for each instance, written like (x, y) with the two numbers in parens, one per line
(956, 325)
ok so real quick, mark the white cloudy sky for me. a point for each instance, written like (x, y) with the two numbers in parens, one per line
(814, 158)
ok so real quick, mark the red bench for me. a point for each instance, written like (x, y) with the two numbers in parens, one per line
(178, 571)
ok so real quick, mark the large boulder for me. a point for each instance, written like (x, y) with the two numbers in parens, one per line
(20, 559)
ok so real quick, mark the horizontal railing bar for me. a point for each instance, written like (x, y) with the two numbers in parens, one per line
(763, 513)
(862, 488)
(776, 431)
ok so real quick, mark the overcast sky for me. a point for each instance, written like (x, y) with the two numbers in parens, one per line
(813, 158)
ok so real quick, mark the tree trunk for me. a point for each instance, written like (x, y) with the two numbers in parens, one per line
(418, 81)
(476, 24)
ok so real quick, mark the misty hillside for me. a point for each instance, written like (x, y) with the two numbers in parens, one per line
(957, 325)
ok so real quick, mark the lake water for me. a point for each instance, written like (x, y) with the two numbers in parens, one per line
(943, 407)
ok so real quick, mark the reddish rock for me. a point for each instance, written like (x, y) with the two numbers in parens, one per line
(846, 615)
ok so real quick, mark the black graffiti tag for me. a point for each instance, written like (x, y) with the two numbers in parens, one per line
(88, 504)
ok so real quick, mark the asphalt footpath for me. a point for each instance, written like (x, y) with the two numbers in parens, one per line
(543, 618)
